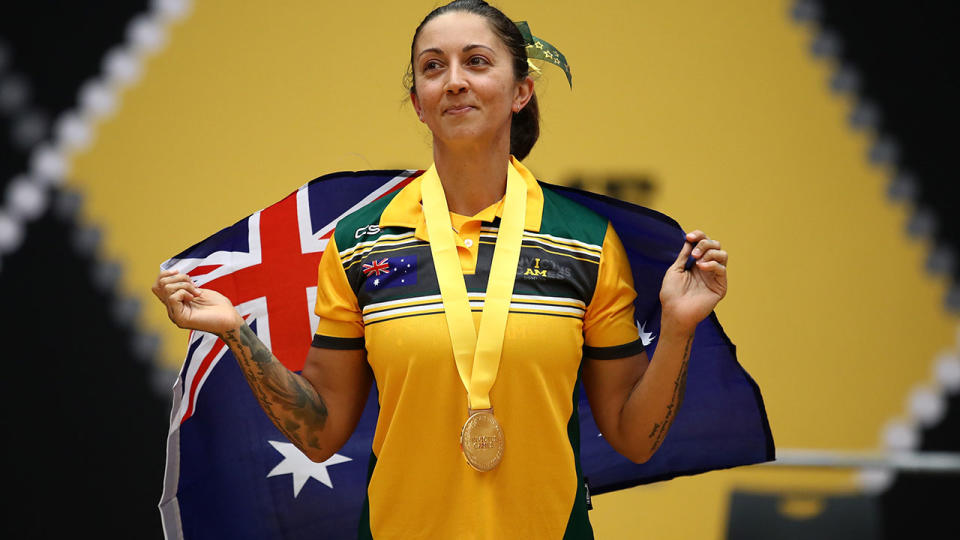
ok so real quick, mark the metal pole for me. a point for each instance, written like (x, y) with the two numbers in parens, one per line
(906, 461)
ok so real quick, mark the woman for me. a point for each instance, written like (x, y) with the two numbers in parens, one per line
(400, 289)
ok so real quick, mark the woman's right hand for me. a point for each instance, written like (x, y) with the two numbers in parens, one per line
(193, 308)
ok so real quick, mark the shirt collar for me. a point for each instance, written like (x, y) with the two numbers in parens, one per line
(405, 209)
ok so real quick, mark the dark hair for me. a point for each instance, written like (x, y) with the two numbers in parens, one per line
(525, 126)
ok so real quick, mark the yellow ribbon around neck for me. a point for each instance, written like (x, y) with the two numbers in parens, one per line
(477, 353)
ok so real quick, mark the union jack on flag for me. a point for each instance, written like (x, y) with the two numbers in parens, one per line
(231, 474)
(376, 268)
(224, 457)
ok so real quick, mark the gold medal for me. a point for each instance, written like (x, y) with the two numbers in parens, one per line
(481, 440)
(476, 351)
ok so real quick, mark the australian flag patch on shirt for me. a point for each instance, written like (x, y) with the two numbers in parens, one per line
(390, 272)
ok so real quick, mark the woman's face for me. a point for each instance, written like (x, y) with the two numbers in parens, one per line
(466, 92)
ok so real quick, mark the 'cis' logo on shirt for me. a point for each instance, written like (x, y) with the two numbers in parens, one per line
(369, 229)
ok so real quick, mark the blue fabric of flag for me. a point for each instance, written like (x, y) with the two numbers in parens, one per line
(220, 455)
(722, 422)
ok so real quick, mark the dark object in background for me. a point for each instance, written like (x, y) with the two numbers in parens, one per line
(900, 53)
(802, 516)
(84, 430)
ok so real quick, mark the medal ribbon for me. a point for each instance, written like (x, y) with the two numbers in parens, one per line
(477, 354)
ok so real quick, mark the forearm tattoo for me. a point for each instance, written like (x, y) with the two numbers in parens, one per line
(289, 400)
(679, 387)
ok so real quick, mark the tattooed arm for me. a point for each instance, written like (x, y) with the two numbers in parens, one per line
(299, 405)
(318, 410)
(635, 401)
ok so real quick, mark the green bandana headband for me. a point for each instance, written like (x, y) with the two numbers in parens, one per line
(541, 50)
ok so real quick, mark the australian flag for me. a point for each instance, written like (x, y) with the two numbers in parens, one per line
(231, 474)
(390, 272)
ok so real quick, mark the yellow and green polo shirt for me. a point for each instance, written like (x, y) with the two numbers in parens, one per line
(573, 297)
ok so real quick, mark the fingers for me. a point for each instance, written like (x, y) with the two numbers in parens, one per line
(172, 291)
(717, 255)
(713, 267)
(163, 275)
(180, 297)
(703, 246)
(706, 249)
(695, 236)
(172, 280)
(682, 257)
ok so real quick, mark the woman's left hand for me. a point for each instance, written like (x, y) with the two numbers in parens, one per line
(688, 296)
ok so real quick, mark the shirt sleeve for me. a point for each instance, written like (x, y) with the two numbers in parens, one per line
(341, 322)
(609, 328)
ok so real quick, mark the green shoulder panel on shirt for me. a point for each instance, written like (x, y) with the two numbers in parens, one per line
(348, 232)
(567, 219)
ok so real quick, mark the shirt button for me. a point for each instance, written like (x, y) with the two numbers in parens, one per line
(468, 242)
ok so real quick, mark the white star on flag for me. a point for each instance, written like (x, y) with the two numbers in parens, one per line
(645, 337)
(299, 465)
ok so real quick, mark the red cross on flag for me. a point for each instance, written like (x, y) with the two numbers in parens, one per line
(376, 268)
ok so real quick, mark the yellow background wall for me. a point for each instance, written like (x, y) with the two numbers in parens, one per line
(719, 101)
